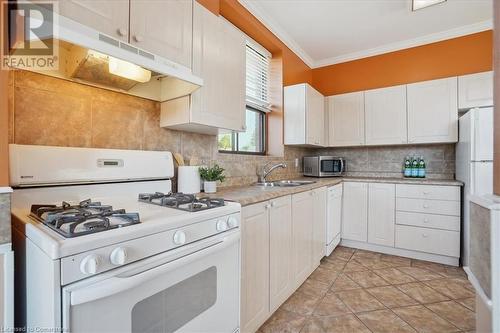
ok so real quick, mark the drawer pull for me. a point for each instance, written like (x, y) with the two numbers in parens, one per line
(425, 192)
(425, 235)
(426, 220)
(426, 206)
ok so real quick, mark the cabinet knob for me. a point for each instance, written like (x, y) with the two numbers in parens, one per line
(425, 235)
(273, 204)
(122, 32)
(244, 127)
(138, 38)
(426, 220)
(426, 206)
(425, 192)
(267, 206)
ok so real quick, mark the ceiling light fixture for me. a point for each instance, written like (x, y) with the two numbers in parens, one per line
(420, 4)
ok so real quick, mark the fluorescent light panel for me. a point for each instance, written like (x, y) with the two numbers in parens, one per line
(420, 4)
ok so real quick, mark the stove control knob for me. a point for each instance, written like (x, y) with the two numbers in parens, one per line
(221, 225)
(118, 256)
(179, 237)
(232, 222)
(90, 264)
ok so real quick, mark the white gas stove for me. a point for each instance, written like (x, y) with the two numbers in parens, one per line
(102, 237)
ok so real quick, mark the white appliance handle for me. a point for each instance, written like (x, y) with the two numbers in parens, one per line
(115, 285)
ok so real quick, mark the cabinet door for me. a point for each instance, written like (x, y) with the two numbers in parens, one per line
(294, 105)
(385, 115)
(302, 205)
(433, 111)
(381, 213)
(108, 17)
(334, 213)
(163, 27)
(346, 116)
(254, 266)
(219, 59)
(319, 225)
(475, 90)
(280, 247)
(355, 211)
(315, 117)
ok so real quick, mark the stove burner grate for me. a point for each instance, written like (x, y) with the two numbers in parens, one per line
(181, 201)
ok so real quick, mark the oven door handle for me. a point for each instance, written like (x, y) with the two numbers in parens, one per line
(116, 284)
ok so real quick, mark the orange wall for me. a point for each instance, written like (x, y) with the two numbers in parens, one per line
(496, 147)
(294, 69)
(457, 56)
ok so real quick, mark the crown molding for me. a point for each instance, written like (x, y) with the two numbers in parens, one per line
(391, 47)
(278, 31)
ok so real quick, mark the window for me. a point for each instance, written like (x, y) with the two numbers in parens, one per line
(253, 140)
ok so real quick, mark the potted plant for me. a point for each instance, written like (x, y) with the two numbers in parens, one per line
(210, 177)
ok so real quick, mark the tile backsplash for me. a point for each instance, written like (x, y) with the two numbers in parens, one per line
(387, 161)
(48, 111)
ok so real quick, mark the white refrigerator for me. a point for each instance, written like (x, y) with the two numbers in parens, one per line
(474, 163)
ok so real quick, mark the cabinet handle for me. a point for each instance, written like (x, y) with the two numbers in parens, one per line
(425, 235)
(426, 206)
(267, 206)
(425, 192)
(138, 38)
(426, 220)
(273, 204)
(122, 32)
(243, 127)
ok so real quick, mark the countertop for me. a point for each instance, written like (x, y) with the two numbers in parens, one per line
(250, 194)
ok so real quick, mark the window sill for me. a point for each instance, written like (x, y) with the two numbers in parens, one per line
(241, 153)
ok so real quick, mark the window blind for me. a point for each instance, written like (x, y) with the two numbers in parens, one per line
(257, 79)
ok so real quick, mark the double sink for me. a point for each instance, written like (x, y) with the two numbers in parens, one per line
(286, 183)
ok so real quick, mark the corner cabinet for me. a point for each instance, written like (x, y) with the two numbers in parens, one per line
(304, 115)
(475, 90)
(355, 212)
(381, 213)
(433, 111)
(346, 119)
(385, 116)
(219, 59)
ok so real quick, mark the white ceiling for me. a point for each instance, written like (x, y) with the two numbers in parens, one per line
(324, 32)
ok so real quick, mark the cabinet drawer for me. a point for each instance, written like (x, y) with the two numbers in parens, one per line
(445, 222)
(451, 193)
(428, 206)
(435, 241)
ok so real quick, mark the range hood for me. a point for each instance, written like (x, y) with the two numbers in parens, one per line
(90, 57)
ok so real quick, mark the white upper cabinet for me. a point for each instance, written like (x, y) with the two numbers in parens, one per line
(346, 118)
(163, 28)
(219, 59)
(355, 211)
(475, 90)
(385, 116)
(108, 17)
(381, 213)
(433, 111)
(304, 115)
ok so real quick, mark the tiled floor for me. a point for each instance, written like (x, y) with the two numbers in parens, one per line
(362, 291)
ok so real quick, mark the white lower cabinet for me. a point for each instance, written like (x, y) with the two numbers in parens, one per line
(302, 234)
(319, 225)
(333, 217)
(381, 213)
(280, 247)
(355, 212)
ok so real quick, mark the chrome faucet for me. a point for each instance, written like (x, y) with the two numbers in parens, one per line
(263, 173)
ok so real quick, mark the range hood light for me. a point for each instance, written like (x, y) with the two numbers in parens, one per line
(128, 70)
(420, 4)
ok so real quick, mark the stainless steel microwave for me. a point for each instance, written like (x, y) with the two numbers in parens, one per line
(324, 166)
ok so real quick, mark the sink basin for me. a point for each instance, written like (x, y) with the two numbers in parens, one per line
(286, 183)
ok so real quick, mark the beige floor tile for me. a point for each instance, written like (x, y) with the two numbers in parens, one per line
(331, 305)
(324, 275)
(359, 300)
(301, 303)
(424, 320)
(469, 303)
(367, 279)
(455, 313)
(372, 263)
(314, 288)
(420, 273)
(366, 254)
(343, 324)
(391, 297)
(394, 276)
(343, 282)
(334, 264)
(395, 261)
(353, 266)
(384, 321)
(453, 288)
(283, 321)
(422, 293)
(342, 252)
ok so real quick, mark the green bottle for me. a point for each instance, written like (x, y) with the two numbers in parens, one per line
(421, 167)
(414, 167)
(407, 167)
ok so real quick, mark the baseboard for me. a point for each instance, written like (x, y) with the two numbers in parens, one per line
(452, 261)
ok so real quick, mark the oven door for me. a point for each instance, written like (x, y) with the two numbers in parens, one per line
(331, 167)
(195, 289)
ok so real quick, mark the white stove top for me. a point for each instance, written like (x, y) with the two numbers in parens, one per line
(154, 219)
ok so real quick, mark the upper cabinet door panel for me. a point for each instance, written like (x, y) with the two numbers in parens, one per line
(315, 117)
(346, 119)
(433, 111)
(385, 115)
(475, 90)
(163, 27)
(108, 17)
